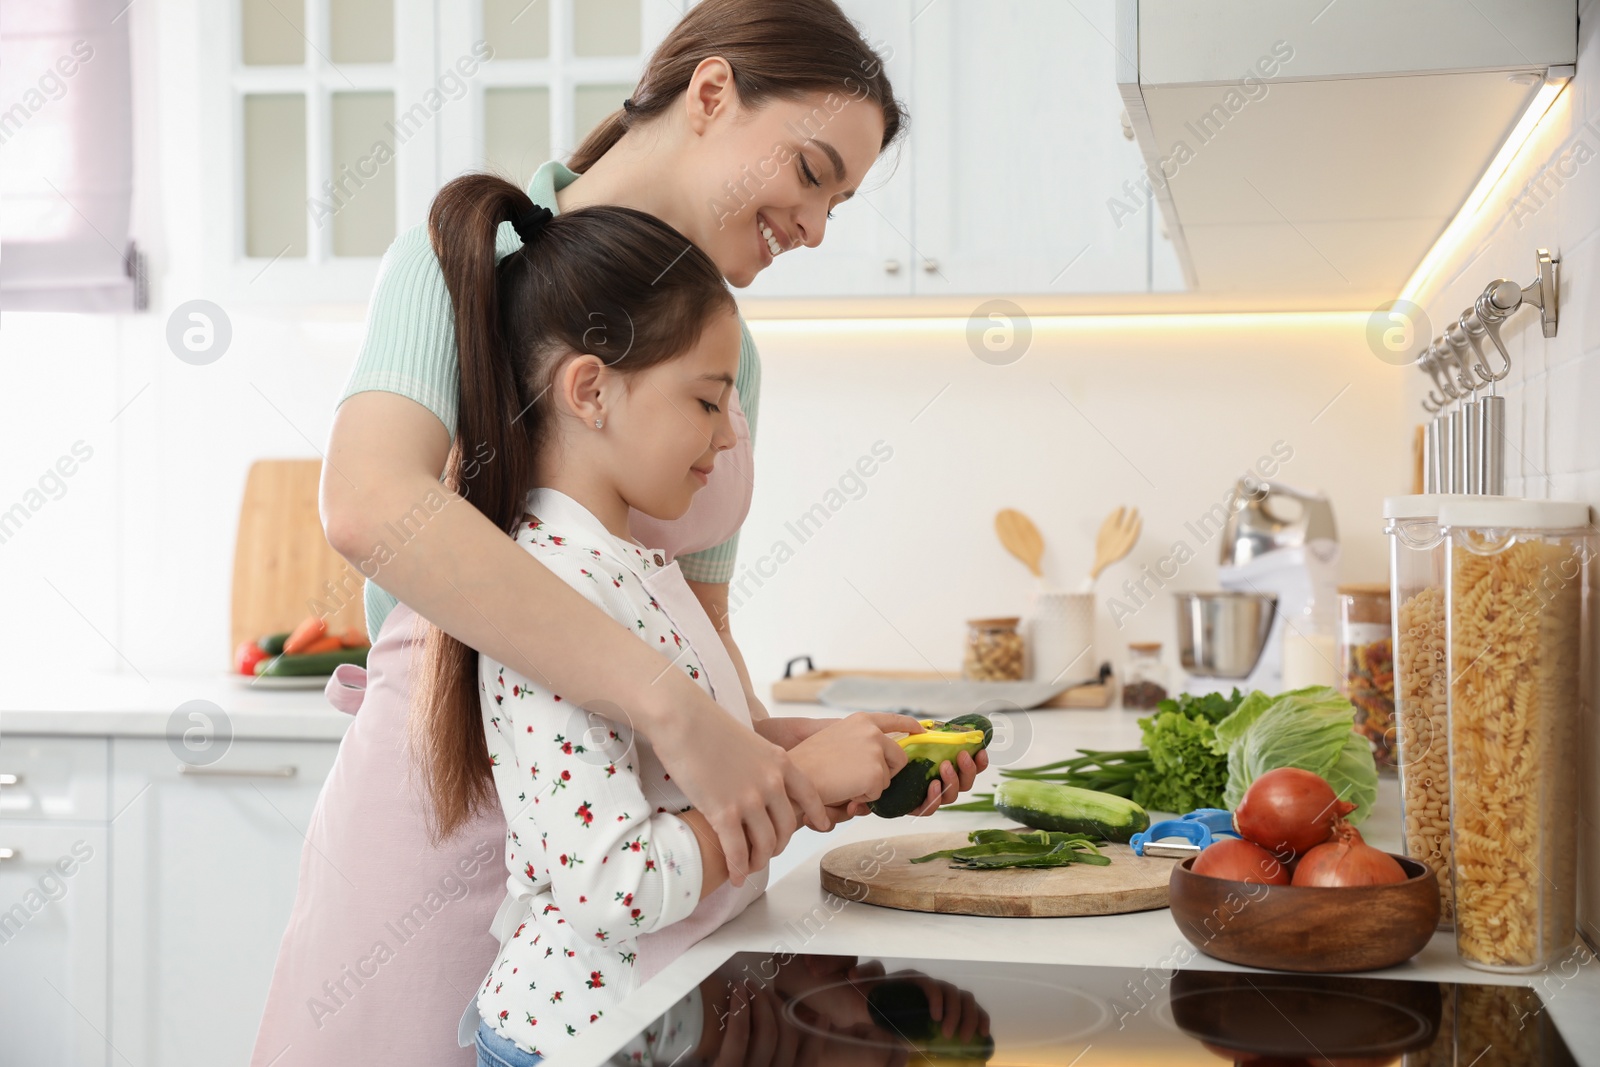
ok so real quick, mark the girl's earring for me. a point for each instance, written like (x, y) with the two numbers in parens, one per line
(598, 423)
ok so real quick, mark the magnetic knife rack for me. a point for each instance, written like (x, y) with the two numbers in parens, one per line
(1464, 442)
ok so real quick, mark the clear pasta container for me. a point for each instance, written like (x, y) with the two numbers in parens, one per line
(1516, 601)
(1421, 683)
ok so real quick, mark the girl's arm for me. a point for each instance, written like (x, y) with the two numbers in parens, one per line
(380, 483)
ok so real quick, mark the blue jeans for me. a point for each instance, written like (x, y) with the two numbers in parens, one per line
(496, 1051)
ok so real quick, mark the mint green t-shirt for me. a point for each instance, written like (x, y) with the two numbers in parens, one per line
(410, 349)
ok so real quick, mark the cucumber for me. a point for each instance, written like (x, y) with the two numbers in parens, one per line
(925, 754)
(272, 644)
(312, 664)
(1052, 806)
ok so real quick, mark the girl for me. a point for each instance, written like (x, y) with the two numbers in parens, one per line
(612, 343)
(387, 938)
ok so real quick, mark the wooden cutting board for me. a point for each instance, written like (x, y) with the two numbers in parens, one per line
(282, 562)
(803, 688)
(860, 872)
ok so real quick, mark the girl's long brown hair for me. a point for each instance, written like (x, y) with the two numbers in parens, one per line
(778, 49)
(609, 281)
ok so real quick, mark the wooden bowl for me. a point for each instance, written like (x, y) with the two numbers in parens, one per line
(1307, 928)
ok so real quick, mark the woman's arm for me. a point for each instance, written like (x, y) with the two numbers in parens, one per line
(460, 572)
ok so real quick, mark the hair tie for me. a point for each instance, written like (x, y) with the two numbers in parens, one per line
(629, 105)
(532, 222)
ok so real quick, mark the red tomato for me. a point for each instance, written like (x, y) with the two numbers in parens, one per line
(246, 656)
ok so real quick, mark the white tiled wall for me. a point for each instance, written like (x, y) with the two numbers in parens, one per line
(1550, 198)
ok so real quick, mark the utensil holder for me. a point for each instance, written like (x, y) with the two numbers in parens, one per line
(1059, 627)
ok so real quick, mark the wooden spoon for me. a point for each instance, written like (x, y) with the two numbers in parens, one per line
(1021, 538)
(1116, 539)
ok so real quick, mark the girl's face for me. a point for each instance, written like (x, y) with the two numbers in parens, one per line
(774, 173)
(667, 424)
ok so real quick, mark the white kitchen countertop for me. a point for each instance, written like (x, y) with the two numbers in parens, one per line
(128, 705)
(795, 915)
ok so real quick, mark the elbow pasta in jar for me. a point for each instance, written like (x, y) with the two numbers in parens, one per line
(1515, 607)
(1421, 684)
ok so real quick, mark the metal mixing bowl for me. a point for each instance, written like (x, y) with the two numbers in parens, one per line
(1222, 635)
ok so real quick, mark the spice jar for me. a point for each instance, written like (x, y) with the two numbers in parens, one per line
(1515, 601)
(1422, 735)
(1143, 676)
(1365, 655)
(994, 651)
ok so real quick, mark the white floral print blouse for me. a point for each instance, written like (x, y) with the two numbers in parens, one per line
(595, 851)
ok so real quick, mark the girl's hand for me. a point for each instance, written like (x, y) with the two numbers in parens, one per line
(954, 779)
(849, 758)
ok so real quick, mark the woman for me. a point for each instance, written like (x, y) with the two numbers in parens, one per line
(751, 121)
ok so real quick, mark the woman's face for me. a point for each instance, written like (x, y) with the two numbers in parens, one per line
(772, 174)
(670, 421)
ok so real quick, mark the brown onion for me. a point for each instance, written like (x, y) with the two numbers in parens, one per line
(1289, 811)
(1346, 861)
(1239, 861)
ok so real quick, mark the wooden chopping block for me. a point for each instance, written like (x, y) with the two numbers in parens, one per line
(282, 562)
(860, 872)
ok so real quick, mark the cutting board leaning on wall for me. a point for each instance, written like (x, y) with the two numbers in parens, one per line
(282, 562)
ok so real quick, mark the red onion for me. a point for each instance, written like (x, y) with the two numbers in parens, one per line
(1240, 861)
(1289, 811)
(1345, 861)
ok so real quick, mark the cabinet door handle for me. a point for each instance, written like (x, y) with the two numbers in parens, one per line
(9, 854)
(930, 266)
(10, 779)
(891, 266)
(285, 771)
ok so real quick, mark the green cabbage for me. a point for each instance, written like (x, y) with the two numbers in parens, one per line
(1311, 728)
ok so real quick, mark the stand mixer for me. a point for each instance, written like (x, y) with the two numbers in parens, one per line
(1280, 548)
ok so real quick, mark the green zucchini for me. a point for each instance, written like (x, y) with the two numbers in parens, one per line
(311, 664)
(1052, 806)
(939, 742)
(272, 644)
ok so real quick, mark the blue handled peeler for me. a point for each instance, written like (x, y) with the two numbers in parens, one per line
(1197, 829)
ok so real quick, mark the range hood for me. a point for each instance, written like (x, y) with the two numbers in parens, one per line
(1314, 150)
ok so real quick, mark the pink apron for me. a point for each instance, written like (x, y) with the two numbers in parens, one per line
(390, 937)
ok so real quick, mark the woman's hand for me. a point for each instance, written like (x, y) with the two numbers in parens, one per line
(849, 758)
(754, 812)
(787, 731)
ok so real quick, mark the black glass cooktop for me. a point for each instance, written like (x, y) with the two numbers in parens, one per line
(800, 1010)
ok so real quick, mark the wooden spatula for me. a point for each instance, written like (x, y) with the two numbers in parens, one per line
(1021, 538)
(1117, 536)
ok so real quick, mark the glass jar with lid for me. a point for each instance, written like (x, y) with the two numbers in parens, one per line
(1365, 655)
(993, 651)
(1143, 678)
(1516, 606)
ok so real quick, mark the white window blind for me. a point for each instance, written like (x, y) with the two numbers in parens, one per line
(66, 158)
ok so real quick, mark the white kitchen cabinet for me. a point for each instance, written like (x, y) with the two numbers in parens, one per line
(1018, 157)
(205, 861)
(53, 943)
(53, 778)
